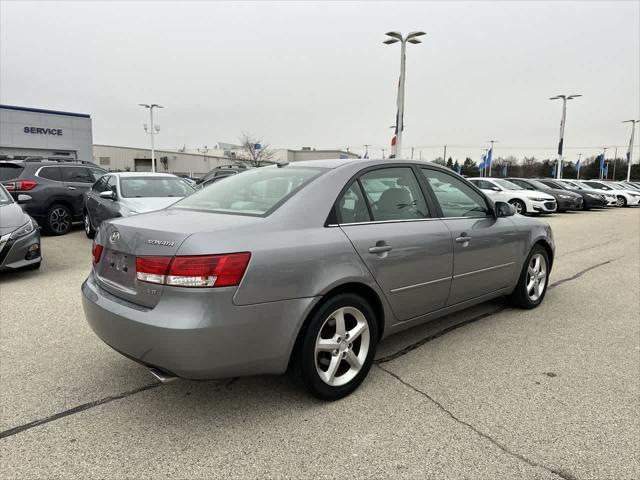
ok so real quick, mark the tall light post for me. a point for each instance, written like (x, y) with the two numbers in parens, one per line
(152, 131)
(630, 150)
(395, 37)
(564, 99)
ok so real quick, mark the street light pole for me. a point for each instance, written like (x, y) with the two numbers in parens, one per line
(153, 131)
(604, 161)
(630, 150)
(564, 99)
(395, 37)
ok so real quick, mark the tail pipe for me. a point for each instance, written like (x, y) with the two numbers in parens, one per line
(164, 377)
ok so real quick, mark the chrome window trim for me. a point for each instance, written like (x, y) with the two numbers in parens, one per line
(488, 269)
(430, 219)
(409, 287)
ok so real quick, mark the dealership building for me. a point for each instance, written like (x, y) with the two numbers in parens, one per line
(35, 132)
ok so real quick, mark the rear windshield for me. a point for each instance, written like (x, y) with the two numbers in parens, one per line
(142, 187)
(254, 192)
(9, 171)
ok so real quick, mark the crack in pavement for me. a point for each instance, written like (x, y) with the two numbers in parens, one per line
(74, 410)
(563, 475)
(388, 358)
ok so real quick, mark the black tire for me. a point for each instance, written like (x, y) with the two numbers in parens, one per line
(58, 221)
(519, 205)
(622, 202)
(88, 228)
(521, 297)
(303, 361)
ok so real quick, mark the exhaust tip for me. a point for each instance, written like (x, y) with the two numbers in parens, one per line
(164, 377)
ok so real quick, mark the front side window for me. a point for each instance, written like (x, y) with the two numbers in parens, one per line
(508, 185)
(456, 198)
(394, 194)
(111, 185)
(141, 187)
(484, 185)
(100, 185)
(352, 207)
(597, 185)
(96, 172)
(256, 192)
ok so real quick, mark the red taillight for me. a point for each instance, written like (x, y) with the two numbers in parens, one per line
(96, 251)
(194, 271)
(20, 185)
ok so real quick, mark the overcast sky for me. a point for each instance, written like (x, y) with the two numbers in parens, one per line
(317, 74)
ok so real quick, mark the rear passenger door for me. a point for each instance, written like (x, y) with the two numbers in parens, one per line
(486, 248)
(409, 252)
(78, 180)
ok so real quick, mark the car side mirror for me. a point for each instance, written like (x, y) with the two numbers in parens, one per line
(504, 209)
(108, 194)
(24, 198)
(495, 189)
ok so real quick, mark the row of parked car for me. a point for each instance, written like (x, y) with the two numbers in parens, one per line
(57, 194)
(544, 195)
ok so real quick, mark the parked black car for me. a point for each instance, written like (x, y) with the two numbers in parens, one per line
(219, 173)
(566, 200)
(56, 189)
(590, 198)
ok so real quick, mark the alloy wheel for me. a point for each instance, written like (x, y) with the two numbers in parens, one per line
(518, 206)
(342, 346)
(59, 220)
(536, 277)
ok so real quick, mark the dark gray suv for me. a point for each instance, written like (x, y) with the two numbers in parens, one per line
(56, 189)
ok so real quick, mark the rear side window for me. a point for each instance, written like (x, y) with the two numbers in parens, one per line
(77, 174)
(456, 198)
(9, 171)
(394, 194)
(51, 173)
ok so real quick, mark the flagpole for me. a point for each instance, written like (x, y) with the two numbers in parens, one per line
(579, 165)
(490, 155)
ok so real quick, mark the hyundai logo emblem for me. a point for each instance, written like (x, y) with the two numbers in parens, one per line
(115, 236)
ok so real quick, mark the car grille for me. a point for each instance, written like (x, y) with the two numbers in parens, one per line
(550, 205)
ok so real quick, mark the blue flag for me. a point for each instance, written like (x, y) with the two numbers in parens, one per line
(553, 170)
(578, 164)
(489, 156)
(606, 171)
(481, 166)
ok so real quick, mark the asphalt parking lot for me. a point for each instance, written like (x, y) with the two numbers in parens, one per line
(491, 392)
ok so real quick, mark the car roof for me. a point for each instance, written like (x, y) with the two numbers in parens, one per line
(340, 162)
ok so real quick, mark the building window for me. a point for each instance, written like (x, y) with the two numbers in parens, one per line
(105, 160)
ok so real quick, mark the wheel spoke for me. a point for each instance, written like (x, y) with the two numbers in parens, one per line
(330, 374)
(531, 271)
(531, 284)
(356, 331)
(327, 345)
(339, 318)
(353, 360)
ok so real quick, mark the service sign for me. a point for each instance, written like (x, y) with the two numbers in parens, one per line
(43, 131)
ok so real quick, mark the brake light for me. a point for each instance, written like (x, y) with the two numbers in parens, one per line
(96, 251)
(194, 271)
(20, 185)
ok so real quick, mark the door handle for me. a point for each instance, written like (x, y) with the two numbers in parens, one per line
(380, 249)
(463, 239)
(71, 188)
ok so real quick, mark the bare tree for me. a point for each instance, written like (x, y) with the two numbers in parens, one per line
(254, 152)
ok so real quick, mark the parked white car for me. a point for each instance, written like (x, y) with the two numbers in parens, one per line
(625, 198)
(524, 201)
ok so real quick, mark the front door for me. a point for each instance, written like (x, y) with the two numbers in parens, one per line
(486, 248)
(406, 249)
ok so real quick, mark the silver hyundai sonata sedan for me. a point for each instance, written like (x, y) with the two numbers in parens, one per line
(305, 267)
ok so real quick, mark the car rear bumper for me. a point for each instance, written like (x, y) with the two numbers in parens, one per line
(198, 334)
(20, 253)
